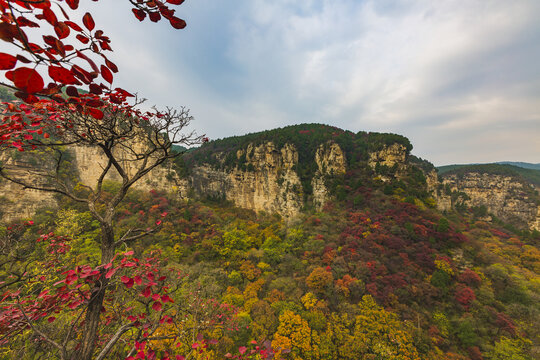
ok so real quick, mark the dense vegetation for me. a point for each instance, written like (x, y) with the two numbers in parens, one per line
(377, 274)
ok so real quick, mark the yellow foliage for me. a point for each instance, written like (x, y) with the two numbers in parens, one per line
(295, 334)
(309, 301)
(443, 265)
(380, 332)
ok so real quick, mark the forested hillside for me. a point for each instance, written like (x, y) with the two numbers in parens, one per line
(379, 273)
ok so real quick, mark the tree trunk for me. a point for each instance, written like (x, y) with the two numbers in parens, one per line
(93, 311)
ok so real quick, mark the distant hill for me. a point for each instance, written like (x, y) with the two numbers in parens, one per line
(521, 164)
(530, 174)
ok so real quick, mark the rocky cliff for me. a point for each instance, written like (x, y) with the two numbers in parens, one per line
(509, 198)
(267, 180)
(285, 173)
(86, 164)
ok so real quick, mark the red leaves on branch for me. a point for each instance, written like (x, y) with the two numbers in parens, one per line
(139, 14)
(55, 60)
(7, 62)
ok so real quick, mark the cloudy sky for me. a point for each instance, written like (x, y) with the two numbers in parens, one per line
(460, 79)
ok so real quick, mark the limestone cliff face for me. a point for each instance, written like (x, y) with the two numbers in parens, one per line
(269, 184)
(330, 160)
(391, 157)
(88, 163)
(388, 156)
(17, 202)
(503, 196)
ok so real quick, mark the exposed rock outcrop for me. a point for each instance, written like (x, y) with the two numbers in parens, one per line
(506, 197)
(88, 163)
(330, 161)
(395, 154)
(269, 184)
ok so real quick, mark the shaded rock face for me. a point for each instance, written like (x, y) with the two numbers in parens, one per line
(270, 184)
(503, 196)
(90, 162)
(17, 202)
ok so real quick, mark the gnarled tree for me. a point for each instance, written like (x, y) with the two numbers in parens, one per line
(127, 145)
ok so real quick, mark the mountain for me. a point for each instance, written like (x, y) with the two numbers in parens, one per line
(326, 244)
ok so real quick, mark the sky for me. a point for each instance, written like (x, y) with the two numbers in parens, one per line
(460, 79)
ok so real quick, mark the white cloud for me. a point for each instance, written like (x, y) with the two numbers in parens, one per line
(444, 73)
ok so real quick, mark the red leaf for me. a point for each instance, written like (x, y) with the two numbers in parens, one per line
(90, 61)
(111, 272)
(139, 14)
(9, 32)
(73, 4)
(88, 21)
(62, 30)
(72, 91)
(28, 80)
(158, 222)
(177, 23)
(51, 319)
(155, 16)
(175, 2)
(242, 349)
(61, 75)
(127, 281)
(107, 74)
(95, 89)
(82, 38)
(7, 61)
(98, 114)
(23, 59)
(73, 25)
(22, 21)
(111, 66)
(146, 292)
(49, 15)
(167, 298)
